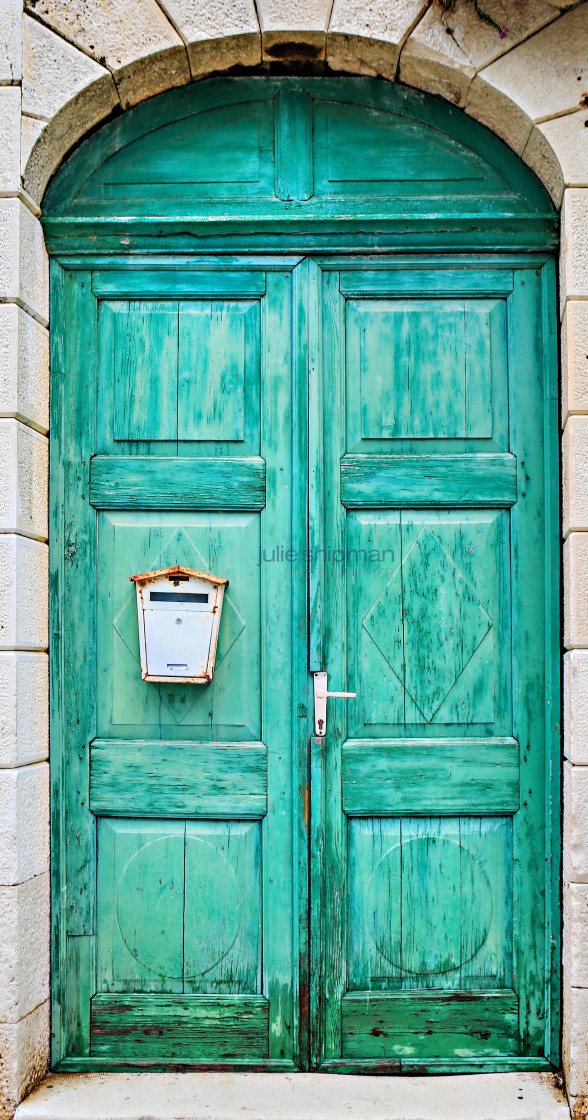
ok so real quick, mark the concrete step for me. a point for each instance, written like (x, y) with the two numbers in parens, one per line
(298, 1096)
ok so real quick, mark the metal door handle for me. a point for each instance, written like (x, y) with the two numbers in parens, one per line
(320, 702)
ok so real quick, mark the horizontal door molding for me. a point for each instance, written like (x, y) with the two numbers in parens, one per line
(165, 284)
(156, 1027)
(380, 481)
(403, 776)
(173, 779)
(437, 282)
(162, 482)
(405, 1024)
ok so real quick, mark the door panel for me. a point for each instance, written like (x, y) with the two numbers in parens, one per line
(179, 906)
(179, 944)
(131, 542)
(429, 785)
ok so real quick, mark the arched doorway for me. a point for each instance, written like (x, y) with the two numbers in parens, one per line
(304, 341)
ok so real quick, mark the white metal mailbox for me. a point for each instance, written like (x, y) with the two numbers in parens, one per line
(179, 612)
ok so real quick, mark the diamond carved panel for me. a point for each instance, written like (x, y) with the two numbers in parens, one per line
(177, 700)
(427, 623)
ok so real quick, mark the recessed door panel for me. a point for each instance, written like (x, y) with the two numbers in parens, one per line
(230, 708)
(428, 619)
(179, 906)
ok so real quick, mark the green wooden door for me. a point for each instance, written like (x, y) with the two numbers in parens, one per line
(173, 393)
(303, 340)
(432, 941)
(183, 434)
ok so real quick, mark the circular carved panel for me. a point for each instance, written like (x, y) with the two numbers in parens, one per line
(178, 908)
(429, 906)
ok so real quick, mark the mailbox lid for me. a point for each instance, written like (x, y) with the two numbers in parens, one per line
(189, 594)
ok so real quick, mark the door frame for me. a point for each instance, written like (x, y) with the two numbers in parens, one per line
(305, 333)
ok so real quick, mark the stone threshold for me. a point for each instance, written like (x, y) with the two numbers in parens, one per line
(297, 1096)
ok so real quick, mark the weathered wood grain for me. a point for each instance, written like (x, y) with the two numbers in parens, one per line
(392, 777)
(212, 1029)
(379, 481)
(430, 1024)
(175, 779)
(170, 283)
(162, 482)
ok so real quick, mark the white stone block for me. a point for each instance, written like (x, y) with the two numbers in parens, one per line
(24, 823)
(310, 1096)
(23, 593)
(504, 117)
(459, 36)
(24, 708)
(365, 38)
(24, 948)
(62, 84)
(575, 845)
(575, 1047)
(548, 73)
(25, 1056)
(573, 270)
(558, 152)
(576, 706)
(24, 367)
(576, 591)
(11, 40)
(574, 358)
(425, 67)
(218, 34)
(576, 934)
(541, 158)
(56, 73)
(144, 53)
(23, 259)
(10, 138)
(30, 131)
(575, 474)
(293, 28)
(24, 463)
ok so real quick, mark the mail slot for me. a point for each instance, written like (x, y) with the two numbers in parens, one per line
(178, 612)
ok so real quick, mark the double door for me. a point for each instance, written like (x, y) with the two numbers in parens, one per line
(363, 448)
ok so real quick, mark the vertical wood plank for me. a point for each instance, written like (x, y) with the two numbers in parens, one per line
(276, 627)
(293, 144)
(431, 891)
(222, 907)
(529, 580)
(334, 890)
(146, 370)
(78, 637)
(56, 680)
(549, 350)
(316, 527)
(302, 706)
(318, 931)
(213, 360)
(140, 906)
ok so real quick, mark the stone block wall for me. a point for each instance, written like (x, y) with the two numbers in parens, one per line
(66, 66)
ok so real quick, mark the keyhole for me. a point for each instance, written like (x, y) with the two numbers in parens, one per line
(320, 723)
(178, 622)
